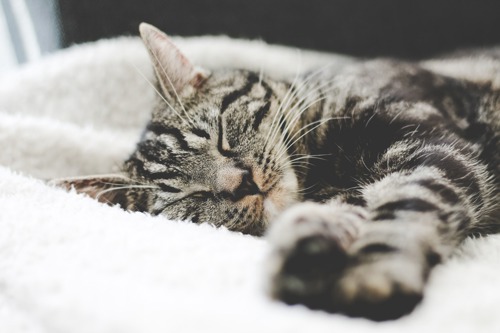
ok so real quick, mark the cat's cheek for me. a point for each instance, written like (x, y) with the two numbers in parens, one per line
(276, 203)
(271, 211)
(281, 197)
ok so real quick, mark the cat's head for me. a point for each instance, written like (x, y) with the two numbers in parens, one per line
(213, 150)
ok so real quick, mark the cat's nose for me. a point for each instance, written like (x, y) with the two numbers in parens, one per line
(247, 186)
(236, 183)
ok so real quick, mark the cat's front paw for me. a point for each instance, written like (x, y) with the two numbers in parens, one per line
(332, 258)
(383, 289)
(310, 252)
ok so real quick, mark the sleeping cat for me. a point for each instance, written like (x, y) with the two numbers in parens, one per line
(363, 178)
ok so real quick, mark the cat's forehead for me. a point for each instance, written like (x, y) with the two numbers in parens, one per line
(225, 82)
(229, 78)
(227, 90)
(229, 94)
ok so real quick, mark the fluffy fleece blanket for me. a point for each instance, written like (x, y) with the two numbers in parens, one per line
(71, 264)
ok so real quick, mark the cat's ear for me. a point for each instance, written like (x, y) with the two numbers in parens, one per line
(109, 189)
(173, 69)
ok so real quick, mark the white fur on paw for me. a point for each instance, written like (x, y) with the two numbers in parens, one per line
(311, 233)
(307, 219)
(331, 258)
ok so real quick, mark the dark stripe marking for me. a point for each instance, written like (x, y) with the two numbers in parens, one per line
(384, 216)
(283, 124)
(201, 133)
(196, 218)
(141, 201)
(260, 114)
(167, 188)
(164, 175)
(454, 169)
(234, 95)
(412, 204)
(221, 149)
(160, 129)
(138, 165)
(153, 150)
(149, 175)
(377, 248)
(447, 194)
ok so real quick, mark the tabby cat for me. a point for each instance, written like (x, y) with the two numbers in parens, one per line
(363, 178)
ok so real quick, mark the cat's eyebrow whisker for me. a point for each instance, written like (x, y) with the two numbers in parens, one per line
(124, 188)
(157, 92)
(172, 86)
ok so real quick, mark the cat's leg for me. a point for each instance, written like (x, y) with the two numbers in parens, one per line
(310, 251)
(332, 257)
(373, 261)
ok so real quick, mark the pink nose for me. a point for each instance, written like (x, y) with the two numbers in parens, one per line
(236, 183)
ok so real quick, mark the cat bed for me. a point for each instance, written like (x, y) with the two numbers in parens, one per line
(71, 264)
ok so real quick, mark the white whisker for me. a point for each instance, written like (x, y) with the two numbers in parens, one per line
(298, 90)
(321, 122)
(274, 127)
(157, 92)
(124, 188)
(295, 90)
(172, 86)
(304, 109)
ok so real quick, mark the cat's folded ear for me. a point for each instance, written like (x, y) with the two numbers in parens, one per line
(173, 69)
(110, 189)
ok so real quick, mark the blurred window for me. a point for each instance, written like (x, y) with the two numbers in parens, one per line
(28, 30)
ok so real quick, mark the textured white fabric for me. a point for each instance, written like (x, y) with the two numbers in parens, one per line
(70, 264)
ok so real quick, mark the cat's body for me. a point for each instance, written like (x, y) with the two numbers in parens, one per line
(402, 164)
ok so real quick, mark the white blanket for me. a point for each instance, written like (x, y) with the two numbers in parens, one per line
(71, 264)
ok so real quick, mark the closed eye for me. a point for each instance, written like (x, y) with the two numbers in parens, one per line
(201, 194)
(196, 195)
(201, 133)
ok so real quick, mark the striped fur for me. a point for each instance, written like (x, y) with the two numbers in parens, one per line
(392, 166)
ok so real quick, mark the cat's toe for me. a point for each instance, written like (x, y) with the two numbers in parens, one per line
(308, 271)
(331, 260)
(395, 305)
(385, 289)
(310, 250)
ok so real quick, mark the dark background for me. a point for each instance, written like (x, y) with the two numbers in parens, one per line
(410, 29)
